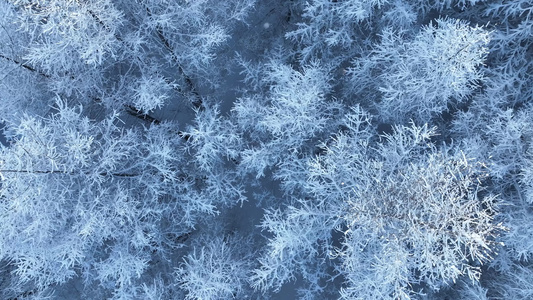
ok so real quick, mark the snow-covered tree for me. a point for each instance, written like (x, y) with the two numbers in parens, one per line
(295, 110)
(409, 213)
(21, 84)
(213, 146)
(417, 78)
(218, 269)
(85, 198)
(102, 50)
(511, 48)
(329, 28)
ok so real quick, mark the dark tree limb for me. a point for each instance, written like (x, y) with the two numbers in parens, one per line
(133, 111)
(25, 66)
(166, 43)
(67, 173)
